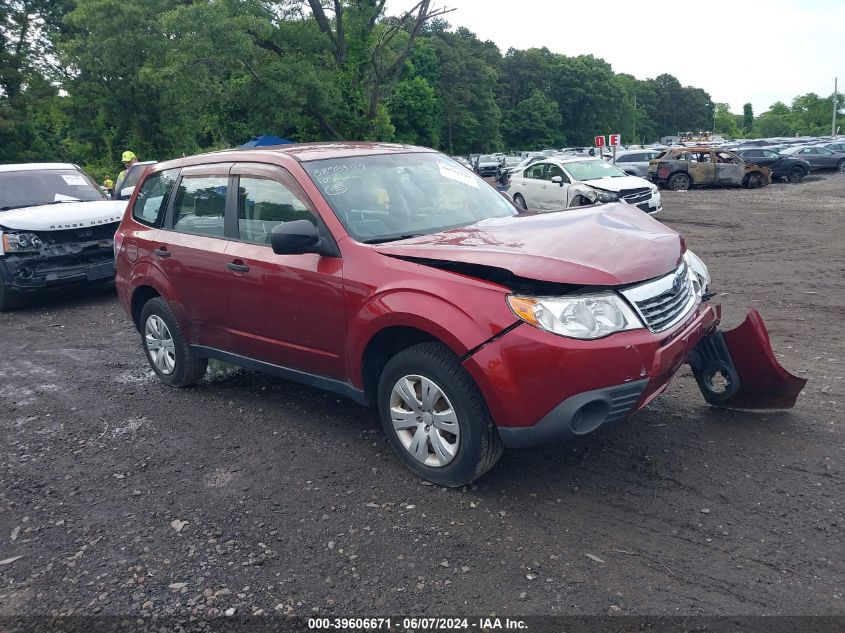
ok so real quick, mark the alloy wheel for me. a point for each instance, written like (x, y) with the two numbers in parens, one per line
(425, 421)
(160, 345)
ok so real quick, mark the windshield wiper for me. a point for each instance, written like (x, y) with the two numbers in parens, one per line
(392, 238)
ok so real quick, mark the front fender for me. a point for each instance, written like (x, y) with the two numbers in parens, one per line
(425, 311)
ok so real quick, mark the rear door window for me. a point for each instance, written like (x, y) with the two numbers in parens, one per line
(152, 198)
(200, 205)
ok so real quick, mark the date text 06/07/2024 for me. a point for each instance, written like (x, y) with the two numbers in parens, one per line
(416, 624)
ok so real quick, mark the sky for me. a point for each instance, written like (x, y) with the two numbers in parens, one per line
(757, 51)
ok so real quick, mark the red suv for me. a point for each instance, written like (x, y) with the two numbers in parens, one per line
(396, 277)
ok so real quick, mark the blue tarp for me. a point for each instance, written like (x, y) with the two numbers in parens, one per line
(266, 139)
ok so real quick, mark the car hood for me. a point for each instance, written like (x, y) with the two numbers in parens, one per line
(608, 246)
(63, 215)
(619, 183)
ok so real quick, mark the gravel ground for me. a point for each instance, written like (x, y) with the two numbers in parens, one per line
(249, 495)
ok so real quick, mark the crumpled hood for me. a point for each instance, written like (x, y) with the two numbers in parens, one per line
(619, 183)
(611, 245)
(63, 215)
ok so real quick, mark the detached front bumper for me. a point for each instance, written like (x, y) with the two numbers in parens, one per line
(543, 388)
(58, 265)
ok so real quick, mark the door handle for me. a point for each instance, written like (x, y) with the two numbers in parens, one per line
(241, 268)
(161, 251)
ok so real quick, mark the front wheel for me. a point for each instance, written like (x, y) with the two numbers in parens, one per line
(520, 202)
(168, 352)
(435, 417)
(753, 181)
(840, 166)
(8, 299)
(796, 175)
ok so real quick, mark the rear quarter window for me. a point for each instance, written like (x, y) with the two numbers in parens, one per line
(152, 198)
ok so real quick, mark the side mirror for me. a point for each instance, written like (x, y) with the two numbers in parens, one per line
(557, 180)
(126, 193)
(295, 238)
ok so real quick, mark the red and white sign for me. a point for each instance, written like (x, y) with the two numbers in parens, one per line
(599, 141)
(615, 139)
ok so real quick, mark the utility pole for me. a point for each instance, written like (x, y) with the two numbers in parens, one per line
(835, 105)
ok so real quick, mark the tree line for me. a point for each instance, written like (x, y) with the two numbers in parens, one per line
(82, 80)
(807, 115)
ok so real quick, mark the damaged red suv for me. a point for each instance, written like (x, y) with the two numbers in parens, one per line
(396, 277)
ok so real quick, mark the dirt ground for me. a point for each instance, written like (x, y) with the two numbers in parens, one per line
(119, 495)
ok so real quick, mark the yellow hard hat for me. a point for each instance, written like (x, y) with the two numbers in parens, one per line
(127, 156)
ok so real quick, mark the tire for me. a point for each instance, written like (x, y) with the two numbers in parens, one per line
(753, 181)
(8, 299)
(446, 457)
(840, 166)
(579, 201)
(796, 175)
(176, 365)
(679, 182)
(520, 202)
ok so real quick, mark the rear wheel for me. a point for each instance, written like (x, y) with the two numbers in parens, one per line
(679, 182)
(167, 350)
(435, 418)
(520, 202)
(796, 175)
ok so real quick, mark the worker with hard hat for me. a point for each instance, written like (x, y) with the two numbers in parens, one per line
(128, 159)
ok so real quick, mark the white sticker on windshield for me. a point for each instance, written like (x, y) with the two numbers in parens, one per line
(458, 174)
(75, 180)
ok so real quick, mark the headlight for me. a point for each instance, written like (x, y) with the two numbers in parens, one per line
(607, 196)
(700, 275)
(21, 242)
(587, 316)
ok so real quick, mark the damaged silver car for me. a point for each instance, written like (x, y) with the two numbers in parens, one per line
(56, 229)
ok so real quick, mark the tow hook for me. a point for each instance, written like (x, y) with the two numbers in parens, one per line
(738, 369)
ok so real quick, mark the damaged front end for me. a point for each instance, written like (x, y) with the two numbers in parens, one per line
(38, 260)
(737, 369)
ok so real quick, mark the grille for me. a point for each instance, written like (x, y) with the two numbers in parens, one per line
(664, 302)
(86, 234)
(634, 196)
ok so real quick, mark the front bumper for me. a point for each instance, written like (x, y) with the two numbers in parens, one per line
(58, 265)
(541, 388)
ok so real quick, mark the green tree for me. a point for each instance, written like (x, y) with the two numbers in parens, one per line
(747, 118)
(726, 121)
(415, 113)
(535, 122)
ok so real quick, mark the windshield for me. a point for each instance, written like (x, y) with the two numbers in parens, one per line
(391, 196)
(488, 159)
(592, 170)
(37, 187)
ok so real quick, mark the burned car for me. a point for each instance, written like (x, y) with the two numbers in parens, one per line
(681, 168)
(56, 228)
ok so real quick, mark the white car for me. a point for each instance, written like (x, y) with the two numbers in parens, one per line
(562, 183)
(56, 228)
